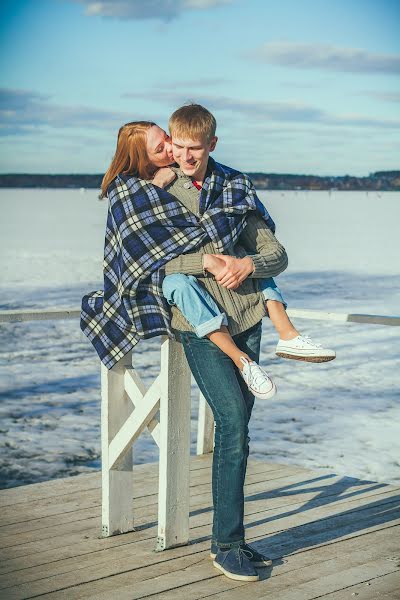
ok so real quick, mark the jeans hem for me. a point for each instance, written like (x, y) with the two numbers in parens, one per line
(271, 294)
(230, 545)
(211, 325)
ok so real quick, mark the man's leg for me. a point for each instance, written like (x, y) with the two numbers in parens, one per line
(231, 403)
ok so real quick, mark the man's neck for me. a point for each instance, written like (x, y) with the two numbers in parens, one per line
(199, 180)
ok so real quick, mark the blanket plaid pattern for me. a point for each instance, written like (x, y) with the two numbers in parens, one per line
(146, 227)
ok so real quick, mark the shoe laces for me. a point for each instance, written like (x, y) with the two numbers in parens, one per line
(307, 340)
(243, 553)
(255, 374)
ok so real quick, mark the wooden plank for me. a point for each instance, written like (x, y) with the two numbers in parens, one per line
(87, 522)
(17, 316)
(145, 410)
(310, 567)
(174, 468)
(136, 391)
(50, 489)
(86, 481)
(116, 478)
(343, 317)
(51, 525)
(328, 518)
(386, 586)
(205, 427)
(275, 492)
(144, 495)
(213, 586)
(53, 487)
(374, 319)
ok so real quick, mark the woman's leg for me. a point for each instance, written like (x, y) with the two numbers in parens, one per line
(201, 311)
(291, 343)
(231, 402)
(276, 307)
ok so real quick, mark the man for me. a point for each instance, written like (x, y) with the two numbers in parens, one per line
(231, 279)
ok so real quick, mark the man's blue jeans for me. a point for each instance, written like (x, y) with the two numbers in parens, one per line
(231, 402)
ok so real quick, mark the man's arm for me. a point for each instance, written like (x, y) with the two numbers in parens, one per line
(191, 263)
(258, 242)
(265, 256)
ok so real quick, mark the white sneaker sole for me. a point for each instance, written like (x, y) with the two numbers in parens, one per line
(234, 575)
(306, 357)
(266, 395)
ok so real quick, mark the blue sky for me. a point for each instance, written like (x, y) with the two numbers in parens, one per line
(307, 86)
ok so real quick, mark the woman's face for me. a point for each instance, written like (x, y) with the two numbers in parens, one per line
(159, 148)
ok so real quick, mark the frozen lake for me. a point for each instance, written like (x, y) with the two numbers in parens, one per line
(342, 416)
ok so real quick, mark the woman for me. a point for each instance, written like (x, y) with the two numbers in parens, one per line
(145, 150)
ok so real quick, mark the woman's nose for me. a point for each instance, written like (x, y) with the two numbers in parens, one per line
(168, 146)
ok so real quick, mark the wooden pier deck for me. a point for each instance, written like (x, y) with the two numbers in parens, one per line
(330, 536)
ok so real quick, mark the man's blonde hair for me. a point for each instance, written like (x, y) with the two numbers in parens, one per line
(192, 121)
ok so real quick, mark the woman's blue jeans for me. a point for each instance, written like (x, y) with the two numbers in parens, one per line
(198, 306)
(231, 403)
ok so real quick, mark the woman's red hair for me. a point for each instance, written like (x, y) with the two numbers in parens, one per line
(130, 155)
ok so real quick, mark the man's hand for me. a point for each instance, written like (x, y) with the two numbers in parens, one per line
(213, 263)
(229, 271)
(163, 177)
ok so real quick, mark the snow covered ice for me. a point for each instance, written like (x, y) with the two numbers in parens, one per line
(340, 416)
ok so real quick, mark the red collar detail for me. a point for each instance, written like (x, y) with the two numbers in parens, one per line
(196, 185)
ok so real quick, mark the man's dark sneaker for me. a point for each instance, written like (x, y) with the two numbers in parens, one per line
(235, 564)
(257, 559)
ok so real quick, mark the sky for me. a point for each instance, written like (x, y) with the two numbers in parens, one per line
(307, 87)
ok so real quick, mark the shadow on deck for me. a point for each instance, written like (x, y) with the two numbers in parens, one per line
(329, 536)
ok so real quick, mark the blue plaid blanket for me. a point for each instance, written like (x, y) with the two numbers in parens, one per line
(147, 227)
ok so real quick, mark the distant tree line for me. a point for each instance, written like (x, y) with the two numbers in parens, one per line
(380, 180)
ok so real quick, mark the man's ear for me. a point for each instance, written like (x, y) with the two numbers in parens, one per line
(213, 143)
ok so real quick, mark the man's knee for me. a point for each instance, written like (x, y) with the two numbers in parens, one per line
(235, 434)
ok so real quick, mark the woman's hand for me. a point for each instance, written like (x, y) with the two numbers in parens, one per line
(163, 177)
(229, 271)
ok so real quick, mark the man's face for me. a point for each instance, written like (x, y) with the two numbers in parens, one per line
(192, 155)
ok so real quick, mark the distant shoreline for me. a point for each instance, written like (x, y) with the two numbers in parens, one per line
(384, 181)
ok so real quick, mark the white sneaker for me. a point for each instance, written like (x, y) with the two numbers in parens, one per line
(303, 348)
(258, 382)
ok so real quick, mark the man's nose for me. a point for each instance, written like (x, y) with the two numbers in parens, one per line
(186, 154)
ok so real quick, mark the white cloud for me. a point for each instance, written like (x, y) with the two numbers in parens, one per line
(287, 112)
(326, 57)
(24, 112)
(385, 96)
(163, 10)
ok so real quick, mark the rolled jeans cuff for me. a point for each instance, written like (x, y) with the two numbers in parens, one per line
(270, 291)
(212, 325)
(231, 545)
